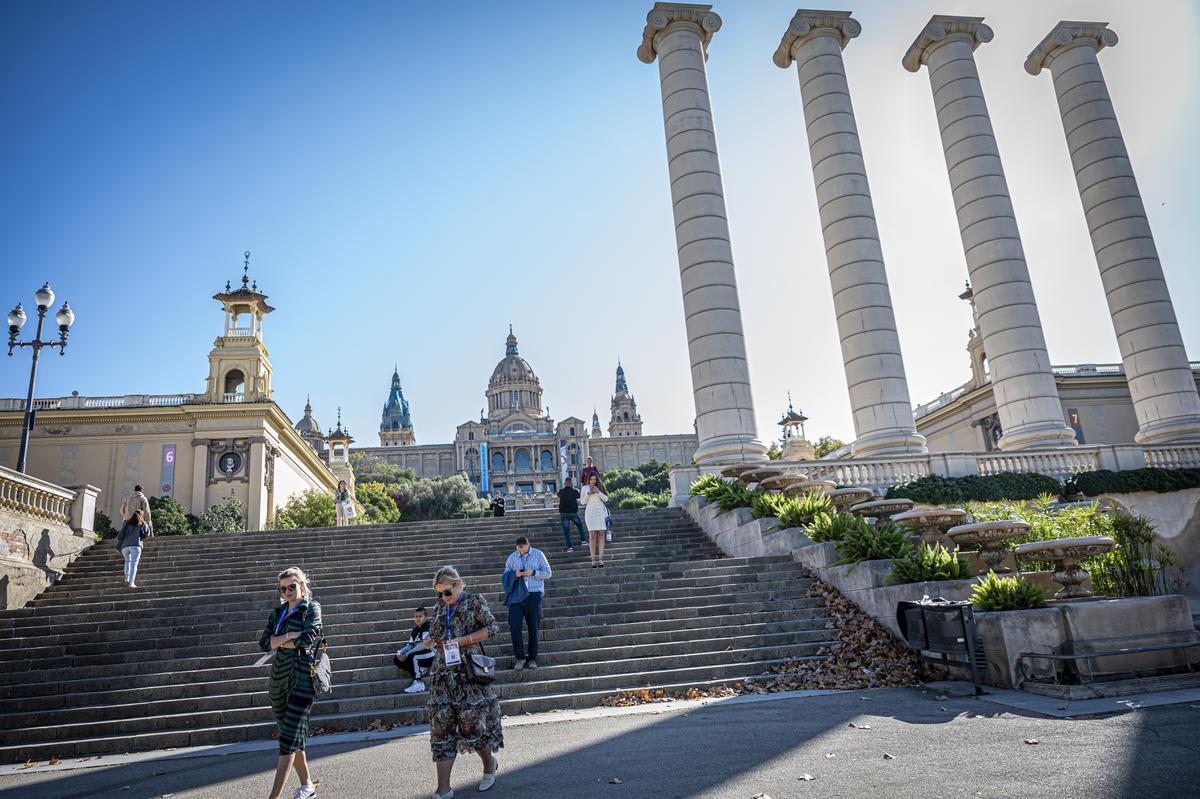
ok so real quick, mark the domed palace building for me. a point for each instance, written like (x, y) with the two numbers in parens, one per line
(515, 446)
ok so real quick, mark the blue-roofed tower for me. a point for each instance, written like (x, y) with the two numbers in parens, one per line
(396, 428)
(623, 419)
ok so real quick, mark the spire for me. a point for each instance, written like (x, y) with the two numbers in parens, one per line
(308, 405)
(621, 384)
(510, 344)
(246, 269)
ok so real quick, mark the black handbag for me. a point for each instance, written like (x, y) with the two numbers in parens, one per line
(319, 667)
(480, 669)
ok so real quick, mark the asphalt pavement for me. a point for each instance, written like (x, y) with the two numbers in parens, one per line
(894, 743)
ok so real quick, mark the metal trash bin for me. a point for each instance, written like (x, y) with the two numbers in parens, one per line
(944, 627)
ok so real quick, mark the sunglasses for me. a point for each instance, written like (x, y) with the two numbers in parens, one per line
(287, 589)
(449, 592)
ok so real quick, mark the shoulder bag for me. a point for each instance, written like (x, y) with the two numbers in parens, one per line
(478, 667)
(319, 667)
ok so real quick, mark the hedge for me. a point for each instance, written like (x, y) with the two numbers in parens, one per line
(1163, 481)
(935, 490)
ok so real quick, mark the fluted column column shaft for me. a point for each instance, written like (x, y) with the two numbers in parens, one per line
(725, 421)
(1156, 364)
(874, 366)
(1027, 401)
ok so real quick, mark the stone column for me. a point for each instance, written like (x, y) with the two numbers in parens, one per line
(883, 417)
(1156, 364)
(1031, 414)
(677, 34)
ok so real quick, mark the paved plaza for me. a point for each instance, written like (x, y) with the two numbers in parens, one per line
(957, 746)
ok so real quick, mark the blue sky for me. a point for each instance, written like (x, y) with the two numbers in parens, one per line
(410, 178)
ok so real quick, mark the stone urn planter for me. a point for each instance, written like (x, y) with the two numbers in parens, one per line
(758, 474)
(781, 482)
(736, 470)
(843, 498)
(990, 538)
(1066, 553)
(808, 486)
(881, 510)
(928, 524)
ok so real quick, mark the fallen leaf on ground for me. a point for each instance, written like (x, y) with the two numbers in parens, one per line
(807, 777)
(54, 761)
(887, 756)
(1032, 741)
(616, 781)
(28, 764)
(859, 726)
(761, 796)
(829, 755)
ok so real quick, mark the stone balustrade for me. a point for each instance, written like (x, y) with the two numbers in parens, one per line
(29, 496)
(879, 474)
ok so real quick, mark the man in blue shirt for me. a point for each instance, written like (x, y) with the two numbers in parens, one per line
(530, 566)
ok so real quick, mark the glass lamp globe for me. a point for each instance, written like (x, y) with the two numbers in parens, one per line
(44, 296)
(16, 317)
(65, 316)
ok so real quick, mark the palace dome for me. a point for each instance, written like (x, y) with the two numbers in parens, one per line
(513, 368)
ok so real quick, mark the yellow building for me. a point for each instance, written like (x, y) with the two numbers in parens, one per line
(232, 439)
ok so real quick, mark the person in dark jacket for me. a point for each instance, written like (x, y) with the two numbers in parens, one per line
(129, 542)
(292, 632)
(497, 505)
(414, 657)
(568, 513)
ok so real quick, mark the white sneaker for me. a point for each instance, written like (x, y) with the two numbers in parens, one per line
(447, 795)
(417, 687)
(520, 664)
(490, 779)
(305, 792)
(133, 585)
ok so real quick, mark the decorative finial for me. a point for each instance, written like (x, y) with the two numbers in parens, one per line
(228, 288)
(789, 402)
(246, 269)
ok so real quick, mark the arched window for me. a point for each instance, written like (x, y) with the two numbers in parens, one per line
(627, 416)
(547, 460)
(522, 461)
(235, 381)
(471, 436)
(498, 462)
(572, 431)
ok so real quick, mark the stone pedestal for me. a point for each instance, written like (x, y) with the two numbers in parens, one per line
(879, 400)
(1156, 364)
(1027, 399)
(678, 35)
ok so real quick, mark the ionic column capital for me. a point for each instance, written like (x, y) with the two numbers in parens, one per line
(1066, 35)
(942, 29)
(667, 17)
(808, 23)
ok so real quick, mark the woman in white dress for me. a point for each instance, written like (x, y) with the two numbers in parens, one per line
(594, 515)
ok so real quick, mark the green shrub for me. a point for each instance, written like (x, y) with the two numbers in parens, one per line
(310, 509)
(225, 517)
(618, 478)
(656, 477)
(1140, 566)
(766, 504)
(1163, 481)
(928, 563)
(102, 526)
(170, 518)
(1007, 593)
(628, 499)
(376, 505)
(1047, 521)
(706, 485)
(802, 511)
(935, 490)
(833, 526)
(867, 542)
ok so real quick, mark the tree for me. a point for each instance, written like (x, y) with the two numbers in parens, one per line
(313, 508)
(170, 518)
(827, 444)
(373, 469)
(226, 517)
(617, 479)
(774, 453)
(439, 498)
(102, 526)
(378, 506)
(657, 477)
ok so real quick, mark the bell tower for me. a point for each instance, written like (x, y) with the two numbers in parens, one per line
(238, 366)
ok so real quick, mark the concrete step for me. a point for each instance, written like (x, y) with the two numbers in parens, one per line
(93, 667)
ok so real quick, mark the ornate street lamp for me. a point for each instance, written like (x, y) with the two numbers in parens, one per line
(44, 297)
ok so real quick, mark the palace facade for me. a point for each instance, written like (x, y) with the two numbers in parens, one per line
(515, 446)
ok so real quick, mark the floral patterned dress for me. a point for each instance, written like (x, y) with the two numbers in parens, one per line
(463, 717)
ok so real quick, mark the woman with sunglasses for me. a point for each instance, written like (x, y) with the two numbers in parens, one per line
(463, 716)
(292, 631)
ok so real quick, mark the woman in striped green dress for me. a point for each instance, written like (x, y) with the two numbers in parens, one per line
(292, 631)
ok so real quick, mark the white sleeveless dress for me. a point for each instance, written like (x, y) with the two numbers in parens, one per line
(595, 512)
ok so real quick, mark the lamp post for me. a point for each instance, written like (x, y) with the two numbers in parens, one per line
(44, 297)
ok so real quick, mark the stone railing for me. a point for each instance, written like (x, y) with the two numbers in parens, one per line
(879, 474)
(90, 403)
(28, 496)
